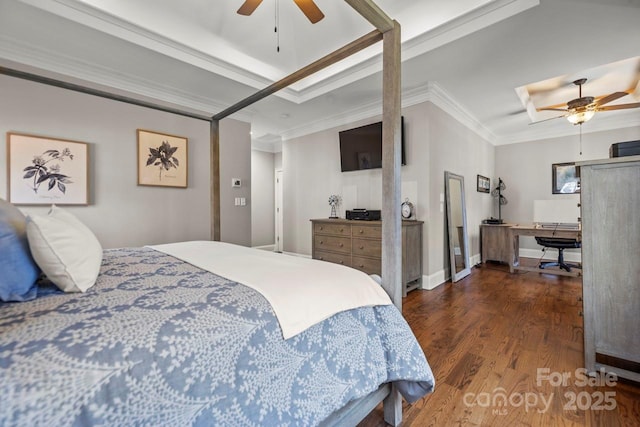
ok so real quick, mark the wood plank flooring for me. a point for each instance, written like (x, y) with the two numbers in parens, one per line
(487, 336)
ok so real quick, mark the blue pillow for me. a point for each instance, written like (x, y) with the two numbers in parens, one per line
(18, 270)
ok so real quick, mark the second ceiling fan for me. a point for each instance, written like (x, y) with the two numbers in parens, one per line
(583, 108)
(308, 7)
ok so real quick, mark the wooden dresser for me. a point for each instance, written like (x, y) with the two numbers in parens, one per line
(610, 206)
(495, 241)
(358, 244)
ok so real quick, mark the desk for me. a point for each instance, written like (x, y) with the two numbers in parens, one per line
(531, 230)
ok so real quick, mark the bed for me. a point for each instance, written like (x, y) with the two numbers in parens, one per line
(159, 341)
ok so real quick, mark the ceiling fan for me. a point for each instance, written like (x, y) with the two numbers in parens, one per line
(308, 7)
(583, 108)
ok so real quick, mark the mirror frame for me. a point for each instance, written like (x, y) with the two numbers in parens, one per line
(455, 276)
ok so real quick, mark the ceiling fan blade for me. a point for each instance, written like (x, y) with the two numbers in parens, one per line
(610, 98)
(310, 10)
(248, 7)
(554, 107)
(546, 120)
(619, 106)
(551, 109)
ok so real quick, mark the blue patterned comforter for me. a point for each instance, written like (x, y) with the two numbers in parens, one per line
(160, 342)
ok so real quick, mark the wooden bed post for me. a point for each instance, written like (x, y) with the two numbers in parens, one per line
(215, 179)
(391, 178)
(391, 153)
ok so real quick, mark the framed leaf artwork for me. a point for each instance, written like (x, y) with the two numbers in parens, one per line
(162, 159)
(44, 170)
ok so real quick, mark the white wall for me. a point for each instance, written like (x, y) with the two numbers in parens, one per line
(121, 213)
(435, 142)
(526, 170)
(263, 198)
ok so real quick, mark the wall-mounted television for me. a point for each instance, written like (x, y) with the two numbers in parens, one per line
(361, 147)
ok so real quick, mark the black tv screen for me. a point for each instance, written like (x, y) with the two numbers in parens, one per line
(361, 148)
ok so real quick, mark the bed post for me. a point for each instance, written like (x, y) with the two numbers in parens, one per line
(391, 178)
(215, 179)
(391, 152)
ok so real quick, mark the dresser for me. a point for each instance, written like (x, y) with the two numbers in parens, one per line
(495, 241)
(610, 210)
(358, 244)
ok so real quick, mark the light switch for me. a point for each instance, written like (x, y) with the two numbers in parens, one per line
(243, 201)
(237, 201)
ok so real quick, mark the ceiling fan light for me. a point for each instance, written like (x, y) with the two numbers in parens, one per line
(580, 117)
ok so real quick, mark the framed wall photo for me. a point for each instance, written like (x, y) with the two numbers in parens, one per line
(565, 178)
(44, 170)
(162, 159)
(483, 184)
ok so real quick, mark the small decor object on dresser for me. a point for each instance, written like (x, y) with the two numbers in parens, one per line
(407, 210)
(162, 159)
(47, 170)
(334, 200)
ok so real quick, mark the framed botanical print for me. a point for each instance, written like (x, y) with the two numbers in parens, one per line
(44, 170)
(162, 159)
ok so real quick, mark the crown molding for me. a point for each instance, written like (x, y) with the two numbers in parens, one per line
(30, 55)
(432, 92)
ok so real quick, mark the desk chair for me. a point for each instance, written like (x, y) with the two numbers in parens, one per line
(560, 244)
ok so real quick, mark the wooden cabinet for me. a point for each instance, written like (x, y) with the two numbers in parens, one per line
(610, 204)
(358, 244)
(495, 241)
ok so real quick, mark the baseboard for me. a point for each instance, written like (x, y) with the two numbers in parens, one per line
(265, 247)
(551, 254)
(474, 260)
(296, 254)
(434, 280)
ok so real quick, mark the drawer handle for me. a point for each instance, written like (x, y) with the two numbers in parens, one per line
(341, 262)
(320, 258)
(341, 244)
(361, 231)
(341, 230)
(361, 265)
(361, 247)
(321, 228)
(321, 242)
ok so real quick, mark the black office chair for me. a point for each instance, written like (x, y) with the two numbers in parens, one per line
(560, 244)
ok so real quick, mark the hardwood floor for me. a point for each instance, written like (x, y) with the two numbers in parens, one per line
(487, 336)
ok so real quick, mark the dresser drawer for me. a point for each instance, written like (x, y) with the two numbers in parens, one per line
(374, 232)
(334, 229)
(368, 265)
(367, 247)
(333, 257)
(332, 243)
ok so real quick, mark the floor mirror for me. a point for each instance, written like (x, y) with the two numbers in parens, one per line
(457, 226)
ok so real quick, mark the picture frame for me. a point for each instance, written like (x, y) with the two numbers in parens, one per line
(483, 184)
(162, 159)
(45, 170)
(565, 178)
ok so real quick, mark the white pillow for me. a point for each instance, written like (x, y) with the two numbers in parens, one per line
(64, 249)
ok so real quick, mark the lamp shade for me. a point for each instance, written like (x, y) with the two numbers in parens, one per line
(580, 117)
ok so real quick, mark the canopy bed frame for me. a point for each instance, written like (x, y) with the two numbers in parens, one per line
(387, 31)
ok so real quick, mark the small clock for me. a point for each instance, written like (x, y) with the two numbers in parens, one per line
(407, 209)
